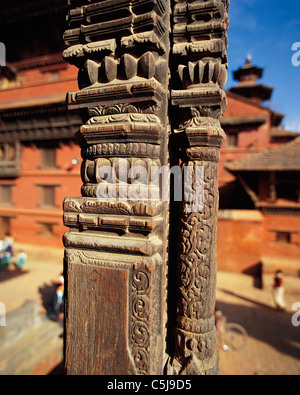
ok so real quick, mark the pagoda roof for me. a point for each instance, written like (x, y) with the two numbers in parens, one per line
(248, 70)
(275, 132)
(243, 120)
(252, 90)
(248, 86)
(283, 158)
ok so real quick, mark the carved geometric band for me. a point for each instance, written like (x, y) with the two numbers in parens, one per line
(196, 326)
(110, 260)
(200, 47)
(205, 154)
(206, 96)
(123, 192)
(142, 246)
(112, 222)
(198, 11)
(96, 206)
(143, 132)
(141, 150)
(130, 92)
(125, 26)
(110, 115)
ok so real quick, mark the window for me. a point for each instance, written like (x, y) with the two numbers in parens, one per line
(48, 158)
(10, 159)
(47, 195)
(284, 237)
(232, 140)
(5, 226)
(46, 229)
(2, 152)
(54, 76)
(5, 195)
(288, 191)
(11, 152)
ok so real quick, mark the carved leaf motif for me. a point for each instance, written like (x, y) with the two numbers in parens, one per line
(161, 71)
(110, 68)
(129, 63)
(201, 70)
(92, 69)
(191, 68)
(111, 110)
(147, 65)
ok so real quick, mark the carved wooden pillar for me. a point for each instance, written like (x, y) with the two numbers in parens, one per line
(116, 252)
(199, 54)
(116, 249)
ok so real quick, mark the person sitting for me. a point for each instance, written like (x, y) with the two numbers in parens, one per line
(8, 243)
(7, 257)
(21, 260)
(2, 260)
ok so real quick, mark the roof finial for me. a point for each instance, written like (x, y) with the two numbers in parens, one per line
(249, 58)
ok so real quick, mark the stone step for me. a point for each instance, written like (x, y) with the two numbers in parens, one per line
(38, 352)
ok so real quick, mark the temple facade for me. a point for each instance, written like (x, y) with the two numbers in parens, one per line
(258, 226)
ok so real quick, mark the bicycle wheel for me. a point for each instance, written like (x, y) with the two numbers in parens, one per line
(234, 338)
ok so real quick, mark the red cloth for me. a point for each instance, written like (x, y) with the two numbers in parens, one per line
(278, 282)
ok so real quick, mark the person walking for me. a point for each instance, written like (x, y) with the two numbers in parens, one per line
(279, 291)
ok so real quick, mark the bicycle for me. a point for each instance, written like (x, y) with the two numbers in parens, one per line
(231, 336)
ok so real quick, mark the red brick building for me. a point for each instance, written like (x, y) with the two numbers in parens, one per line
(39, 161)
(259, 225)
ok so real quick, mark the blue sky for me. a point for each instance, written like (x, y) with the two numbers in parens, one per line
(266, 30)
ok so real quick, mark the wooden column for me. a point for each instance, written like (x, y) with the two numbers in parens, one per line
(140, 82)
(116, 249)
(199, 74)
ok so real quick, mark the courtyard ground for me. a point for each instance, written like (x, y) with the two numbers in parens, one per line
(273, 345)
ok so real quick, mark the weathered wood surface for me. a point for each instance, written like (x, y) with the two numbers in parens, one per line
(116, 250)
(145, 95)
(200, 65)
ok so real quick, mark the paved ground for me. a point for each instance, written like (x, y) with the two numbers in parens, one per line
(273, 346)
(35, 281)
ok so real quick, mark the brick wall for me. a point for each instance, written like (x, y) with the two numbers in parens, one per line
(247, 240)
(239, 240)
(31, 222)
